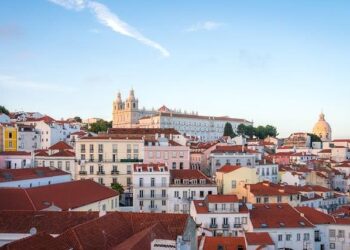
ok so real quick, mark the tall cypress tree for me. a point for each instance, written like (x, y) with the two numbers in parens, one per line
(228, 130)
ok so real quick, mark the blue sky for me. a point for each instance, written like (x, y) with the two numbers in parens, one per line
(273, 62)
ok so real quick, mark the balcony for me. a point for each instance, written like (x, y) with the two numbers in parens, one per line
(131, 160)
(83, 172)
(237, 225)
(152, 208)
(150, 185)
(225, 225)
(114, 172)
(317, 239)
(154, 197)
(100, 172)
(213, 225)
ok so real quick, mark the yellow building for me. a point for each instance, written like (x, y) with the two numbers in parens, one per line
(9, 135)
(229, 178)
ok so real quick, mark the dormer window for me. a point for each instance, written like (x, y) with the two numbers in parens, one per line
(177, 181)
(186, 181)
(150, 169)
(139, 169)
(202, 181)
(161, 169)
(194, 182)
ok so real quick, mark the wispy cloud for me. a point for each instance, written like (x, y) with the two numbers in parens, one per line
(111, 20)
(12, 82)
(205, 26)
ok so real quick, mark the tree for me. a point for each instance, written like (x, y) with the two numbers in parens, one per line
(4, 110)
(228, 130)
(117, 187)
(260, 132)
(100, 126)
(241, 129)
(270, 131)
(250, 131)
(78, 119)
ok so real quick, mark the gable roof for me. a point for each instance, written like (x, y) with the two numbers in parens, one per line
(7, 175)
(227, 243)
(61, 145)
(258, 238)
(277, 216)
(59, 195)
(315, 216)
(189, 174)
(228, 168)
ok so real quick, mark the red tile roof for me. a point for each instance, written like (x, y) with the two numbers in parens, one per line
(277, 216)
(189, 174)
(38, 241)
(52, 222)
(228, 168)
(63, 153)
(46, 119)
(15, 153)
(315, 216)
(61, 145)
(60, 195)
(233, 149)
(255, 238)
(7, 175)
(270, 189)
(42, 153)
(222, 198)
(324, 151)
(227, 243)
(113, 229)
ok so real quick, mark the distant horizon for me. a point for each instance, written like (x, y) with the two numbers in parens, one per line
(270, 62)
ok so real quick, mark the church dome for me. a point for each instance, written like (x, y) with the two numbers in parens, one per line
(323, 129)
(119, 98)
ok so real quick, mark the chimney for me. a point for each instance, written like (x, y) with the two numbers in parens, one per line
(102, 213)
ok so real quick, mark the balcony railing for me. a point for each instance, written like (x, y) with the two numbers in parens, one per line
(237, 225)
(131, 160)
(317, 239)
(154, 197)
(225, 225)
(150, 185)
(83, 172)
(152, 208)
(100, 172)
(114, 172)
(213, 225)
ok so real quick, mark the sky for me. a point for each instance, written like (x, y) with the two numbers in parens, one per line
(271, 62)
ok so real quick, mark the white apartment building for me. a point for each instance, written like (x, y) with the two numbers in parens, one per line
(187, 185)
(28, 139)
(109, 159)
(127, 114)
(59, 155)
(220, 215)
(232, 155)
(150, 193)
(267, 172)
(50, 130)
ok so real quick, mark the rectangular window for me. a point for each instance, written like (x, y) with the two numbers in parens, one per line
(280, 237)
(306, 236)
(52, 164)
(152, 193)
(176, 194)
(201, 194)
(163, 202)
(67, 166)
(332, 233)
(82, 157)
(244, 220)
(152, 182)
(288, 237)
(141, 203)
(128, 148)
(193, 194)
(184, 194)
(141, 193)
(225, 221)
(82, 148)
(174, 165)
(59, 164)
(266, 199)
(163, 193)
(341, 234)
(233, 183)
(128, 169)
(115, 148)
(298, 237)
(10, 135)
(174, 154)
(91, 169)
(158, 154)
(331, 245)
(91, 148)
(114, 180)
(128, 181)
(258, 199)
(100, 148)
(141, 182)
(166, 155)
(150, 154)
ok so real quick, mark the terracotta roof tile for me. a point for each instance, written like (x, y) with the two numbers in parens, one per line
(227, 243)
(29, 173)
(256, 238)
(228, 168)
(315, 216)
(61, 145)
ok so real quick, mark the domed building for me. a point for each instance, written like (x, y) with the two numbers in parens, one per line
(323, 129)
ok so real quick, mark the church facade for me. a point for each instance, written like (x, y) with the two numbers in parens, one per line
(126, 114)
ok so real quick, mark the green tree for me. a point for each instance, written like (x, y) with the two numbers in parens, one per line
(260, 132)
(228, 130)
(78, 119)
(241, 129)
(250, 131)
(100, 126)
(4, 110)
(270, 131)
(117, 187)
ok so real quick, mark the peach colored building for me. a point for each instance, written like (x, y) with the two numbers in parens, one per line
(169, 152)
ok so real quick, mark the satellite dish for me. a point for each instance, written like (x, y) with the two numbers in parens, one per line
(33, 231)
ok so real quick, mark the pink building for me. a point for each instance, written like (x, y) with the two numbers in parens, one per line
(172, 154)
(15, 159)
